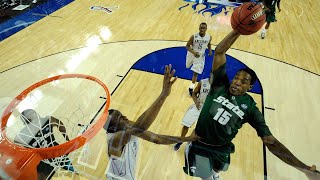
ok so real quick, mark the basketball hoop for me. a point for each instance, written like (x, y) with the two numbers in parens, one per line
(20, 162)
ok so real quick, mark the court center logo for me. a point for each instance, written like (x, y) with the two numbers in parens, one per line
(212, 7)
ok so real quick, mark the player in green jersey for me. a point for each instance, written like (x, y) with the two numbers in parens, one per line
(226, 109)
(270, 9)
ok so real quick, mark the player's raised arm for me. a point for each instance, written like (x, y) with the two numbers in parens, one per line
(147, 118)
(219, 58)
(189, 47)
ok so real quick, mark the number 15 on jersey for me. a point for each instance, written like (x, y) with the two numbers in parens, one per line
(222, 116)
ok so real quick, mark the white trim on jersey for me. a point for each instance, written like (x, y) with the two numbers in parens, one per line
(200, 44)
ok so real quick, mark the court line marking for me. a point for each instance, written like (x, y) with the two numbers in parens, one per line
(157, 40)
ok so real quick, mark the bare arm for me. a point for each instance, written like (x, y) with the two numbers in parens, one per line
(221, 49)
(57, 123)
(209, 47)
(121, 138)
(116, 143)
(162, 139)
(147, 118)
(189, 47)
(195, 93)
(279, 150)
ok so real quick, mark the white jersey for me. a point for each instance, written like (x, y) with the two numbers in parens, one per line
(193, 113)
(204, 90)
(200, 43)
(123, 167)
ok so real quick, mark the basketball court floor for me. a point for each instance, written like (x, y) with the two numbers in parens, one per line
(127, 49)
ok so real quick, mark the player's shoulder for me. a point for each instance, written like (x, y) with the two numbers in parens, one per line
(248, 97)
(249, 101)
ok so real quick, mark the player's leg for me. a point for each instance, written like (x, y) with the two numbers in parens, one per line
(184, 131)
(44, 170)
(205, 161)
(190, 117)
(271, 17)
(197, 69)
(214, 176)
(189, 61)
(193, 83)
(264, 30)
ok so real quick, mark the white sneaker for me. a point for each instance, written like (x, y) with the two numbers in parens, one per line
(263, 35)
(217, 178)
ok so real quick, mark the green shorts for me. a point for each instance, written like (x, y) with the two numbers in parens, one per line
(201, 159)
(271, 16)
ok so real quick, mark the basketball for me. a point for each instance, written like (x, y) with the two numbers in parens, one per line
(248, 18)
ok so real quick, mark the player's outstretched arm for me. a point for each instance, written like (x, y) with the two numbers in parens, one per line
(147, 118)
(279, 150)
(121, 138)
(220, 52)
(162, 139)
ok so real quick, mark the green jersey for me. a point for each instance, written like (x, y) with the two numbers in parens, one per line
(223, 114)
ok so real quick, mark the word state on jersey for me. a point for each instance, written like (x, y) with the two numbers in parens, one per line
(199, 45)
(223, 116)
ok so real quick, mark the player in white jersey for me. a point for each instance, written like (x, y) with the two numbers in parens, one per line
(123, 168)
(196, 47)
(38, 133)
(199, 95)
(123, 134)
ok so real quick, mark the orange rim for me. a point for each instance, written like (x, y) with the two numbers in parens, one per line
(69, 146)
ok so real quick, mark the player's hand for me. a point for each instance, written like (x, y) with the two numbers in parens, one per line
(198, 105)
(193, 136)
(312, 173)
(196, 54)
(167, 80)
(279, 9)
(265, 9)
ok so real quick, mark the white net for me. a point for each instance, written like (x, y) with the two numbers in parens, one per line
(53, 114)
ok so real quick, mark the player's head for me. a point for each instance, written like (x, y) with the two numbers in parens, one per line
(243, 81)
(202, 28)
(28, 115)
(116, 121)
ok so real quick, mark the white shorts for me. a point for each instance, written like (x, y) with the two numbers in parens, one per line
(191, 116)
(197, 63)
